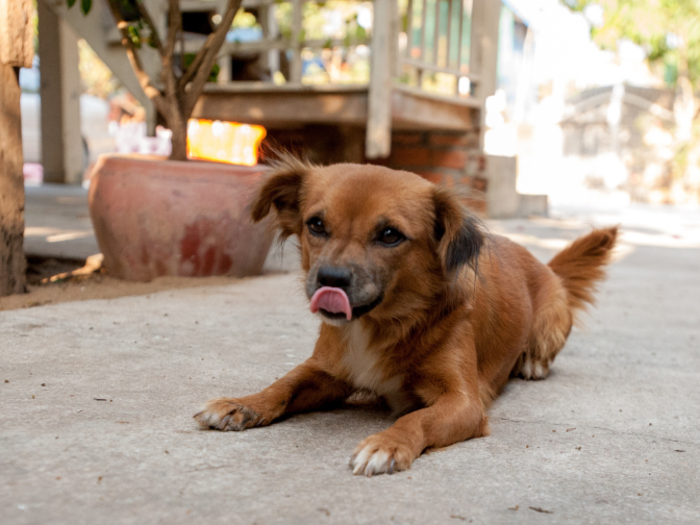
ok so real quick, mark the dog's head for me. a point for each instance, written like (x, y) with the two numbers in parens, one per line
(374, 241)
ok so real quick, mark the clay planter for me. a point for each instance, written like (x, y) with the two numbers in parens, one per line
(154, 217)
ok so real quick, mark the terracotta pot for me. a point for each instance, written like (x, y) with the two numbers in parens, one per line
(155, 217)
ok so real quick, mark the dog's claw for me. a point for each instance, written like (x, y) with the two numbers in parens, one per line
(391, 466)
(224, 422)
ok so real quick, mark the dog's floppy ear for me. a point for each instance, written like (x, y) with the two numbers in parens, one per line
(459, 235)
(282, 189)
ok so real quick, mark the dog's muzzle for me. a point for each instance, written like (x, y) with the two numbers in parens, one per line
(333, 297)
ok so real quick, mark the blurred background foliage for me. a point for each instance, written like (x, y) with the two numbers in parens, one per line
(668, 30)
(669, 33)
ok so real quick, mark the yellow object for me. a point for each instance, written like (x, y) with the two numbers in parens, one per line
(224, 141)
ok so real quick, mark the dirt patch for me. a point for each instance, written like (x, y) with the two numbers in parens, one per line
(40, 268)
(96, 285)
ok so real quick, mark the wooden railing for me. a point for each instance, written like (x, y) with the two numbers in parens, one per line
(291, 40)
(426, 48)
(436, 51)
(441, 51)
(431, 44)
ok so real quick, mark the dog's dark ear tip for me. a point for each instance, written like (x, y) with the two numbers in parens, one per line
(466, 246)
(259, 211)
(457, 231)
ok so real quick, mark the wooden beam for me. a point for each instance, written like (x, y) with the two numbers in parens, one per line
(61, 139)
(257, 86)
(484, 57)
(488, 46)
(284, 107)
(427, 66)
(413, 109)
(287, 106)
(484, 45)
(384, 56)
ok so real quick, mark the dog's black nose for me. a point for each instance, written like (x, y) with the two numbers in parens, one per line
(335, 276)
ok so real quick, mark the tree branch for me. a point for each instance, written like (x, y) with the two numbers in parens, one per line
(174, 27)
(144, 80)
(209, 56)
(168, 73)
(143, 12)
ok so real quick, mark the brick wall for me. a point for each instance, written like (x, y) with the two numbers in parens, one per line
(452, 159)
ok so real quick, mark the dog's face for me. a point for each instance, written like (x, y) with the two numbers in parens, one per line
(374, 241)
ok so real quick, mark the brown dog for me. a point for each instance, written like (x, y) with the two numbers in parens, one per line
(419, 305)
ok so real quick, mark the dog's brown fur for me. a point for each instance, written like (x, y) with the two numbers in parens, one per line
(459, 310)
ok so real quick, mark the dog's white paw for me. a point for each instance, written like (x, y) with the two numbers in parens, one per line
(379, 455)
(368, 463)
(534, 369)
(227, 414)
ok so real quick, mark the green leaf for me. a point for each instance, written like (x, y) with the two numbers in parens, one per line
(85, 6)
(135, 36)
(70, 3)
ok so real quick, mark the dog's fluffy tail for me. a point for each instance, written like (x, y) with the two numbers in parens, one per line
(580, 265)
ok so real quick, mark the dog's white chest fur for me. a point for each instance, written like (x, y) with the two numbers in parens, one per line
(361, 362)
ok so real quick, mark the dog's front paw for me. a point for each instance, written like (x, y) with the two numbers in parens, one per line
(380, 454)
(227, 413)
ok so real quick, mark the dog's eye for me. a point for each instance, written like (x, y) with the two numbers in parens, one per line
(390, 237)
(316, 226)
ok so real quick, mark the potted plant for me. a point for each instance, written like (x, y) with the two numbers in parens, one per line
(156, 217)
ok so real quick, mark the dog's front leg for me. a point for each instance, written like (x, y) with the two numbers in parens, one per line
(454, 417)
(306, 387)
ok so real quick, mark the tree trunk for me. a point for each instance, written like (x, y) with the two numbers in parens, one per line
(12, 261)
(179, 140)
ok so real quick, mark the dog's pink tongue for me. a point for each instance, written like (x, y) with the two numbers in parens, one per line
(333, 300)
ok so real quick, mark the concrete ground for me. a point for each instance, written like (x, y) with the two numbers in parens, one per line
(57, 222)
(96, 399)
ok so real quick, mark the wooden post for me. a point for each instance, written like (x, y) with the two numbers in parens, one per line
(384, 55)
(16, 50)
(488, 46)
(483, 59)
(61, 140)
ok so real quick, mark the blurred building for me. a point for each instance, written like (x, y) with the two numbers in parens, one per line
(621, 138)
(581, 122)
